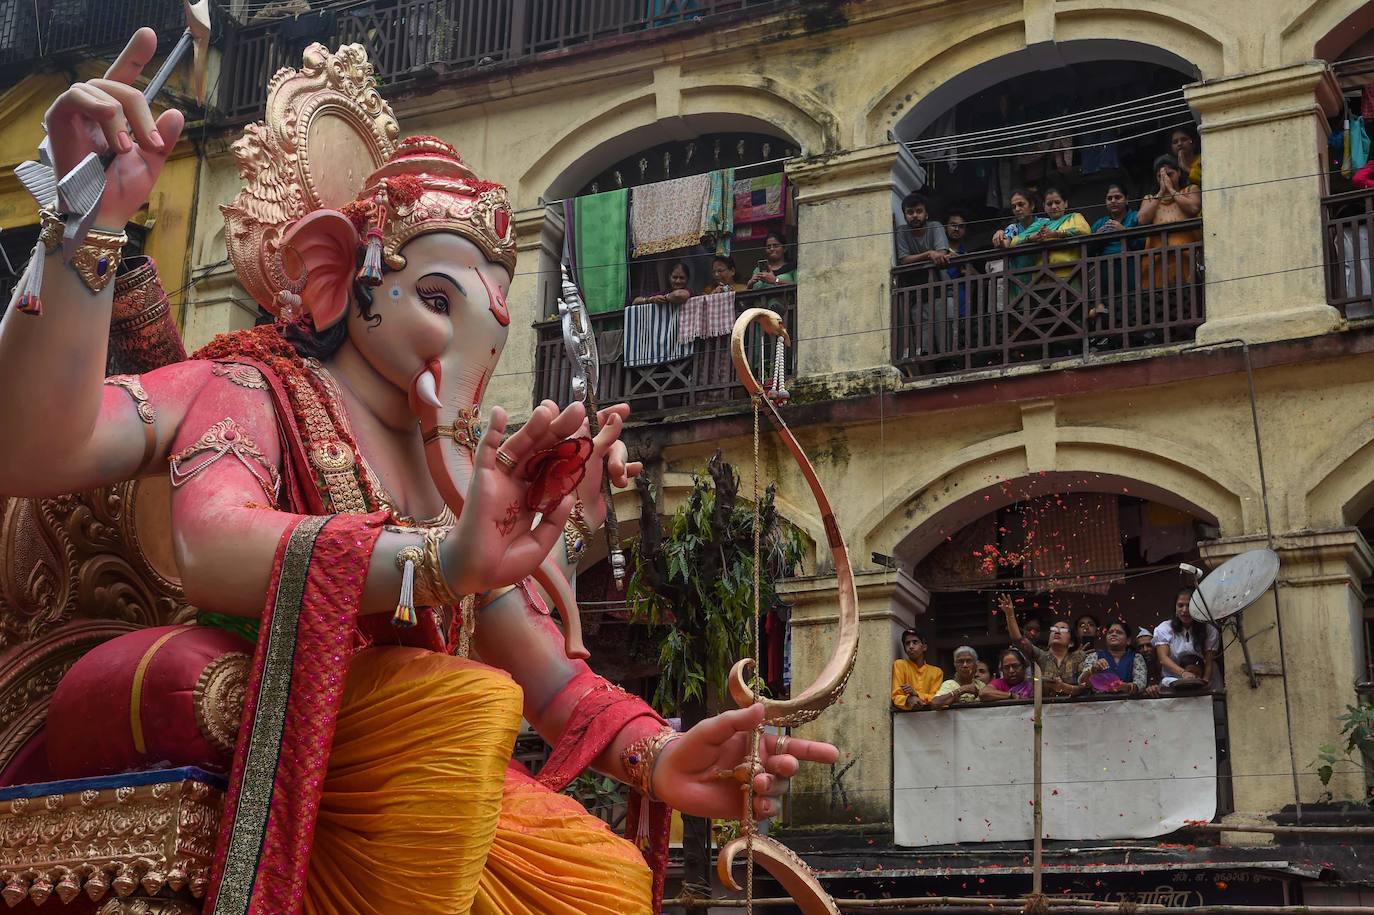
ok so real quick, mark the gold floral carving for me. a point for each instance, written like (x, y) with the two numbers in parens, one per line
(333, 94)
(147, 907)
(120, 841)
(83, 556)
(218, 699)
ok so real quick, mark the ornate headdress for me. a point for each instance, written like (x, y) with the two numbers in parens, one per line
(329, 142)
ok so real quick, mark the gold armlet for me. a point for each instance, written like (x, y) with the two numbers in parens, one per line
(641, 757)
(467, 431)
(133, 385)
(577, 535)
(431, 585)
(225, 437)
(95, 261)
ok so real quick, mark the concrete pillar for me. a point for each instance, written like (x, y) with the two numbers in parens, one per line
(844, 256)
(858, 789)
(533, 296)
(1321, 599)
(1263, 141)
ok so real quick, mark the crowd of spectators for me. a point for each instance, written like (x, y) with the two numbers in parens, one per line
(1120, 267)
(776, 268)
(1075, 658)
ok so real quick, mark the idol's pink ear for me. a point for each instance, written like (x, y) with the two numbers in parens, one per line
(327, 245)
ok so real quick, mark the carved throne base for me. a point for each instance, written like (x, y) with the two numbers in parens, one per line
(114, 842)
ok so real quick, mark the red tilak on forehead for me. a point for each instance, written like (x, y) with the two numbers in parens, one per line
(498, 301)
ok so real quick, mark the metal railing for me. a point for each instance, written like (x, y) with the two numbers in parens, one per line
(1348, 227)
(1039, 302)
(61, 28)
(704, 378)
(414, 39)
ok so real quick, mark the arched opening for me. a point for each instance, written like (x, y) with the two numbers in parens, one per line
(1062, 545)
(1065, 123)
(634, 209)
(1076, 552)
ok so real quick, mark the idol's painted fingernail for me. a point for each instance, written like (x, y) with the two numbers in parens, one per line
(125, 144)
(157, 139)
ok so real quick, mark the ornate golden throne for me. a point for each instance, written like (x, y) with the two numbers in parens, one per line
(76, 571)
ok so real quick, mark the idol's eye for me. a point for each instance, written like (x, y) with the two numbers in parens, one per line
(435, 299)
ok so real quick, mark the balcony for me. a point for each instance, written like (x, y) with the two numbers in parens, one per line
(1113, 769)
(1032, 303)
(68, 28)
(1348, 225)
(412, 39)
(704, 378)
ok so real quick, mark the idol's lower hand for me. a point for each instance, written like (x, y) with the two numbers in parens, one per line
(497, 541)
(696, 773)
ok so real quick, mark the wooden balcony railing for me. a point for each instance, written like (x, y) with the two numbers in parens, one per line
(1348, 226)
(704, 378)
(1034, 302)
(414, 39)
(60, 28)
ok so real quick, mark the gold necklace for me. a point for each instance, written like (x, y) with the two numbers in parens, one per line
(380, 493)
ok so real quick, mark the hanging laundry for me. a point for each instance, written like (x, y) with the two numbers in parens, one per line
(599, 240)
(718, 219)
(1359, 144)
(668, 215)
(760, 199)
(706, 316)
(651, 335)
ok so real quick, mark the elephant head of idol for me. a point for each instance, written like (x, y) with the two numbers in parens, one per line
(415, 272)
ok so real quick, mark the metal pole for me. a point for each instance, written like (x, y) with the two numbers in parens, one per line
(1038, 850)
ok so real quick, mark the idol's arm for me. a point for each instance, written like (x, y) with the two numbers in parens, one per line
(55, 421)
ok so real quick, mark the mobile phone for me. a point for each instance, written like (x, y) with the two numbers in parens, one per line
(761, 266)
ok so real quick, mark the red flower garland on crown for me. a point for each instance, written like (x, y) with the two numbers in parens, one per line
(427, 187)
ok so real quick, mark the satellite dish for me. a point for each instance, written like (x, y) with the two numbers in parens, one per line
(1235, 585)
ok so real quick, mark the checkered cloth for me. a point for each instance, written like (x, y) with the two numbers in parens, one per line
(706, 316)
(1077, 535)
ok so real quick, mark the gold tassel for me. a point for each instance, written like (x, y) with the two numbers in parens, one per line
(405, 615)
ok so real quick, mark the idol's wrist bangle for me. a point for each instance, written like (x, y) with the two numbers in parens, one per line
(577, 534)
(432, 587)
(98, 257)
(640, 758)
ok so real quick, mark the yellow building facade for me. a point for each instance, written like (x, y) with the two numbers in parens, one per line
(169, 217)
(908, 459)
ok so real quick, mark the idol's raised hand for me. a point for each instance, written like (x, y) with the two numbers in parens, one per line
(111, 115)
(498, 541)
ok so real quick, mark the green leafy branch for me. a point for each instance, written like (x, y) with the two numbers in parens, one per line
(694, 579)
(1357, 727)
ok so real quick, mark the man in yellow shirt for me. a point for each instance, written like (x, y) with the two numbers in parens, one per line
(914, 682)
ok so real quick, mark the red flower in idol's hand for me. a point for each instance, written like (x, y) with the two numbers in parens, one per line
(555, 472)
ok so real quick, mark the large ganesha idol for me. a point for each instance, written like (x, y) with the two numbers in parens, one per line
(383, 569)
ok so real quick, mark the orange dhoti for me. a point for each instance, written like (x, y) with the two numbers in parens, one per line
(419, 813)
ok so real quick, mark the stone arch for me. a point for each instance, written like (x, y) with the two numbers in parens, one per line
(684, 105)
(917, 98)
(968, 484)
(1325, 29)
(1343, 488)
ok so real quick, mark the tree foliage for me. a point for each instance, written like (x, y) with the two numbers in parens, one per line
(694, 579)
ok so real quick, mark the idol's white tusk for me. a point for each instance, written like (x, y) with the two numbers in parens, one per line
(538, 516)
(427, 390)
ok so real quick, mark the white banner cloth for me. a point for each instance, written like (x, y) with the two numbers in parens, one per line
(1126, 769)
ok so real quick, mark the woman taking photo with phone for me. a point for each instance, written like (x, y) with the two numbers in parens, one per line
(776, 269)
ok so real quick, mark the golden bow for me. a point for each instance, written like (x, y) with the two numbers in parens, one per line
(806, 705)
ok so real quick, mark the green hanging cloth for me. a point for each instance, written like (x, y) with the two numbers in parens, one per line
(599, 233)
